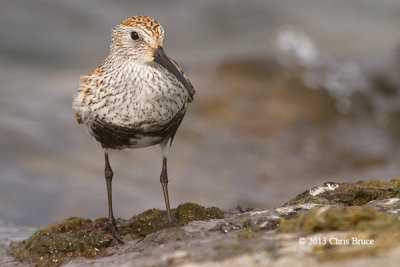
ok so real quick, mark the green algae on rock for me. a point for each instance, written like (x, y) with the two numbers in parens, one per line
(341, 219)
(74, 237)
(154, 220)
(189, 212)
(343, 212)
(350, 194)
(361, 223)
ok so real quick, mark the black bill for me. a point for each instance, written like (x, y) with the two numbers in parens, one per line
(161, 58)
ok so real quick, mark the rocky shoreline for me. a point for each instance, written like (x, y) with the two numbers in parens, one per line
(348, 223)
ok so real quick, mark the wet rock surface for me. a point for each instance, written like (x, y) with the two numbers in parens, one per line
(349, 194)
(323, 226)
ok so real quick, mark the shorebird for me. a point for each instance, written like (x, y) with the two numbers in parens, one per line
(136, 98)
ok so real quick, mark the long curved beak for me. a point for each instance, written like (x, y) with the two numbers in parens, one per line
(161, 58)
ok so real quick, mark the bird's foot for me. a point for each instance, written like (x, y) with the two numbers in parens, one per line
(112, 227)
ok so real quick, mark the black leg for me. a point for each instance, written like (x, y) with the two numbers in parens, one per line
(164, 184)
(108, 173)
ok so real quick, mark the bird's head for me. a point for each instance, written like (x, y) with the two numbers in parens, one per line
(138, 38)
(141, 39)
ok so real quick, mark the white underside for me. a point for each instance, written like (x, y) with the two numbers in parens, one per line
(144, 141)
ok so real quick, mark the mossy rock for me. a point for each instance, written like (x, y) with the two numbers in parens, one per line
(360, 223)
(341, 219)
(74, 237)
(189, 212)
(351, 194)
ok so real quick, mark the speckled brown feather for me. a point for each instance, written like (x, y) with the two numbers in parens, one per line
(86, 84)
(143, 21)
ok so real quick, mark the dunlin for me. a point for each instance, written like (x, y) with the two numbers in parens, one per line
(136, 98)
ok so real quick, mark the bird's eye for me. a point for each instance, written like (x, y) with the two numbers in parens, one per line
(134, 35)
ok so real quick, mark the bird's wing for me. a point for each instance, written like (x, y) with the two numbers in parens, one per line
(183, 73)
(81, 99)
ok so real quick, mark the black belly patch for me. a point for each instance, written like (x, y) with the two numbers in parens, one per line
(114, 136)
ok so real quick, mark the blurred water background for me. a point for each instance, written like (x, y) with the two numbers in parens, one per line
(290, 94)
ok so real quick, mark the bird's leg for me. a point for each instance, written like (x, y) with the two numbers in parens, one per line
(108, 173)
(164, 184)
(165, 146)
